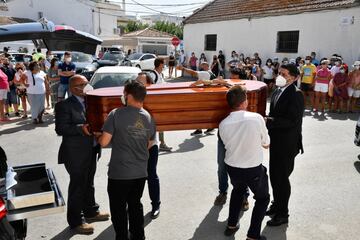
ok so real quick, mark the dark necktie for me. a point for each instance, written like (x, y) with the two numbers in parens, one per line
(277, 94)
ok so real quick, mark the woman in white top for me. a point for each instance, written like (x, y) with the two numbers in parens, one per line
(34, 80)
(268, 74)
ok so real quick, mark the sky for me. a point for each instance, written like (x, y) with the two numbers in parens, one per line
(186, 9)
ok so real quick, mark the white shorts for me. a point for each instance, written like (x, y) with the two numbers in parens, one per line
(321, 87)
(353, 93)
(3, 94)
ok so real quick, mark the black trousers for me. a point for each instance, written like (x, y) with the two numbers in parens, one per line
(153, 178)
(257, 180)
(281, 167)
(125, 206)
(81, 191)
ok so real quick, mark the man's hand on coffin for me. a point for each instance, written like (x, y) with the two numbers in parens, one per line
(85, 129)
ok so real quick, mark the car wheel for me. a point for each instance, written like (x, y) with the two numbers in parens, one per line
(138, 66)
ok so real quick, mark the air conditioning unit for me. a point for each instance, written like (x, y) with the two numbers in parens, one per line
(117, 31)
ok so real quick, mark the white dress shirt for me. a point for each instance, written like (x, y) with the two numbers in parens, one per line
(244, 133)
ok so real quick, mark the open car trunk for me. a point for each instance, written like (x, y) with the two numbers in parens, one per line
(45, 34)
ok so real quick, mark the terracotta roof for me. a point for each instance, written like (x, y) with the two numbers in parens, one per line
(13, 20)
(224, 10)
(148, 32)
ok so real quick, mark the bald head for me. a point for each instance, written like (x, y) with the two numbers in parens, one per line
(77, 84)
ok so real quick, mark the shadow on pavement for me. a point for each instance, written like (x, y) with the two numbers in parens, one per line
(26, 125)
(357, 166)
(188, 145)
(275, 233)
(210, 228)
(65, 234)
(107, 234)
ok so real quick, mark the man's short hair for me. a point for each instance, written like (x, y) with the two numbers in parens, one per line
(149, 80)
(67, 53)
(292, 68)
(38, 50)
(235, 71)
(235, 96)
(136, 89)
(32, 65)
(158, 61)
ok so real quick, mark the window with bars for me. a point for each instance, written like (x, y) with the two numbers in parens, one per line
(287, 42)
(210, 42)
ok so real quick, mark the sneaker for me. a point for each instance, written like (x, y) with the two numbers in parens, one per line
(220, 199)
(98, 218)
(7, 114)
(165, 148)
(84, 228)
(24, 117)
(245, 205)
(209, 131)
(196, 132)
(17, 114)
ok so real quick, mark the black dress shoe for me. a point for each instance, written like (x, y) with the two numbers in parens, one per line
(231, 231)
(271, 211)
(155, 213)
(277, 221)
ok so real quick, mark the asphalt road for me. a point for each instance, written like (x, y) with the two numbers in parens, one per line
(325, 185)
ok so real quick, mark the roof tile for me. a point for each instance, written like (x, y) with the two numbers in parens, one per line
(223, 10)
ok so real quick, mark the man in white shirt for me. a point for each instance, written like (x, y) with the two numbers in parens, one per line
(158, 78)
(204, 77)
(245, 135)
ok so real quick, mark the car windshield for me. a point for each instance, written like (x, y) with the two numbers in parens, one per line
(102, 80)
(113, 56)
(81, 57)
(135, 56)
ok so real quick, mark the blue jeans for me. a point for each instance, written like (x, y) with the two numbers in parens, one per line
(62, 90)
(222, 173)
(153, 178)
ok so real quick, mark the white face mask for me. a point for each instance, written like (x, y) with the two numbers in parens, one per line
(123, 100)
(307, 61)
(269, 64)
(342, 71)
(87, 88)
(300, 64)
(357, 67)
(280, 81)
(337, 63)
(68, 59)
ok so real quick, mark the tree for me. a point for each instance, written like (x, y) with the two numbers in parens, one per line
(170, 28)
(133, 26)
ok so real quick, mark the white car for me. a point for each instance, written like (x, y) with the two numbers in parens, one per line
(113, 76)
(143, 61)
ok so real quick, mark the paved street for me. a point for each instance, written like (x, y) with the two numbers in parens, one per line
(325, 185)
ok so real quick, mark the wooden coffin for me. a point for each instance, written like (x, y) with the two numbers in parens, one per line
(177, 106)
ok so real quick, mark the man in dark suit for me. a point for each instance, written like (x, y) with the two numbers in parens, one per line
(285, 125)
(79, 153)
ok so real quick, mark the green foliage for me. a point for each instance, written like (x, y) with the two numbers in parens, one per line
(171, 28)
(132, 26)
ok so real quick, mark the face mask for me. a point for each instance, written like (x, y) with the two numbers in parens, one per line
(87, 88)
(68, 59)
(285, 62)
(269, 64)
(307, 61)
(342, 71)
(257, 62)
(300, 64)
(280, 81)
(357, 67)
(337, 63)
(123, 100)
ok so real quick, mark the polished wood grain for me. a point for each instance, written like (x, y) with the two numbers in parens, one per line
(177, 106)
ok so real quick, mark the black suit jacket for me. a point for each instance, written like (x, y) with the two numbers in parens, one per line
(76, 148)
(285, 122)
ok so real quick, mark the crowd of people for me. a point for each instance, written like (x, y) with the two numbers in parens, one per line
(41, 83)
(328, 84)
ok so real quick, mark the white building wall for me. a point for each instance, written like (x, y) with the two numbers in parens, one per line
(80, 14)
(321, 32)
